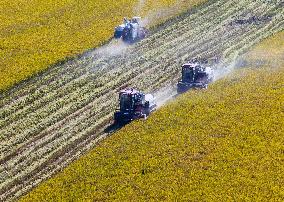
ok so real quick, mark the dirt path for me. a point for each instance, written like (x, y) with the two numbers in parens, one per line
(54, 118)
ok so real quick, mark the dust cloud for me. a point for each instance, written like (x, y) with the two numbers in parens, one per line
(165, 94)
(114, 48)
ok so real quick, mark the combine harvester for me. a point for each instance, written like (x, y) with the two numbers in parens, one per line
(131, 31)
(133, 105)
(194, 75)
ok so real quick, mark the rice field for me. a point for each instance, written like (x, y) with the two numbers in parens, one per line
(53, 118)
(220, 144)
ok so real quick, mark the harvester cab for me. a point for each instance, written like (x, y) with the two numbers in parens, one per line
(194, 75)
(133, 105)
(131, 30)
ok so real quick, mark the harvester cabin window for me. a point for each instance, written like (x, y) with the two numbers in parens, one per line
(125, 101)
(188, 74)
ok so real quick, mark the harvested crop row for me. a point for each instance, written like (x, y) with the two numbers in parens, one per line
(51, 121)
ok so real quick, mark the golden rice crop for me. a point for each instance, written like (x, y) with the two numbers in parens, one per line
(35, 34)
(221, 144)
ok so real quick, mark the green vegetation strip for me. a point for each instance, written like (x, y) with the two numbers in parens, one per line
(224, 143)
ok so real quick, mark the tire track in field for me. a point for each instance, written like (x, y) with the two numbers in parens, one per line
(93, 114)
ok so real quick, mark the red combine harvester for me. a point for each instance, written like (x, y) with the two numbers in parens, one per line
(194, 75)
(133, 105)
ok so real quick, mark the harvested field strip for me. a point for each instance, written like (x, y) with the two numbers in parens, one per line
(41, 127)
